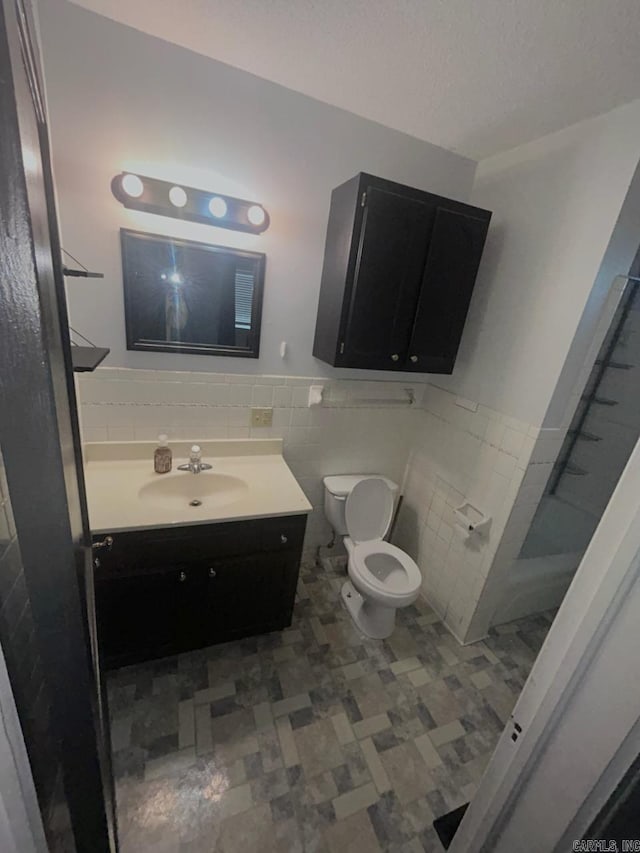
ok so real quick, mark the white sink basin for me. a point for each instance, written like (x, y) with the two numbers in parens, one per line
(249, 479)
(185, 489)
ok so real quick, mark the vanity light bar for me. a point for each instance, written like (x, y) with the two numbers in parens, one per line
(166, 198)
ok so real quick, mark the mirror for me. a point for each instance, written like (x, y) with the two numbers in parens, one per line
(182, 296)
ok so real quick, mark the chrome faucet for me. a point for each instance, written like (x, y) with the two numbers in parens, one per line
(195, 463)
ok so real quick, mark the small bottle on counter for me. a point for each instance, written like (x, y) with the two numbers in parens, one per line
(162, 457)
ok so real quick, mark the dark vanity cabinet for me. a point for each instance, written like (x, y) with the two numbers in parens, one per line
(399, 269)
(167, 590)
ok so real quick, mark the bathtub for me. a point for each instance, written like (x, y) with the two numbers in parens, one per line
(538, 580)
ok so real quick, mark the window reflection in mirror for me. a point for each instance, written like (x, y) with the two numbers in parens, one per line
(182, 296)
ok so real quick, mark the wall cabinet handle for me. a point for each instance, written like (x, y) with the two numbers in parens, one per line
(414, 358)
(212, 572)
(182, 577)
(283, 539)
(107, 542)
(395, 356)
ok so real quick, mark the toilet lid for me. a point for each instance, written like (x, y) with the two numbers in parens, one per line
(369, 509)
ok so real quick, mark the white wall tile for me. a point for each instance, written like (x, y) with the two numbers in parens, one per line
(239, 394)
(459, 455)
(282, 396)
(262, 395)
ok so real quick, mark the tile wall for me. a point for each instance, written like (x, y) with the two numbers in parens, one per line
(445, 449)
(517, 523)
(363, 426)
(463, 452)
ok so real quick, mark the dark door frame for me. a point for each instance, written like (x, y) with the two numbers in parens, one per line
(40, 436)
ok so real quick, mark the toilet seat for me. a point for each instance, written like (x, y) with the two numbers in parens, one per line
(382, 577)
(369, 510)
(384, 572)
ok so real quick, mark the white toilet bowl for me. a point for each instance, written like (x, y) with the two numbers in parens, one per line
(382, 577)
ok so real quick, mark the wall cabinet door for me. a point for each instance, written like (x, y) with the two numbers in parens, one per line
(447, 283)
(387, 280)
(399, 269)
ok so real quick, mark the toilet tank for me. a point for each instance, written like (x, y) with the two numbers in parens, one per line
(336, 490)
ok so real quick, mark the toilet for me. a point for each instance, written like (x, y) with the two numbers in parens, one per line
(382, 577)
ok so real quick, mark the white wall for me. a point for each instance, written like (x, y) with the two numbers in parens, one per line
(119, 99)
(555, 203)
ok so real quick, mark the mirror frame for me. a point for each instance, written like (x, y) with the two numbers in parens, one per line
(133, 342)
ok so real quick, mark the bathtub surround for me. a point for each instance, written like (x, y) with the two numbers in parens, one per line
(342, 436)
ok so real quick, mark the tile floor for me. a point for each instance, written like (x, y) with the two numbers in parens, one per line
(316, 739)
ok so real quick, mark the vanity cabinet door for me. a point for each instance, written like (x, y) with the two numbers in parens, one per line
(247, 594)
(147, 615)
(164, 591)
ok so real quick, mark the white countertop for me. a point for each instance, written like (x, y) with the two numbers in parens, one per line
(117, 471)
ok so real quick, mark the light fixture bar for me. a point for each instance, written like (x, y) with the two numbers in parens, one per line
(167, 198)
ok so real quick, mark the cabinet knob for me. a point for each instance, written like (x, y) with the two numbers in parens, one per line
(182, 577)
(283, 539)
(413, 358)
(107, 542)
(395, 356)
(212, 572)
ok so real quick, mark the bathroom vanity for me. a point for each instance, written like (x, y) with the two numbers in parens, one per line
(186, 560)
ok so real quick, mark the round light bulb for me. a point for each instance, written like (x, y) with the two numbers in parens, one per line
(132, 185)
(177, 197)
(176, 278)
(256, 214)
(218, 207)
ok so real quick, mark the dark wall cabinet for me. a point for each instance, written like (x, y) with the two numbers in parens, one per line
(399, 269)
(169, 590)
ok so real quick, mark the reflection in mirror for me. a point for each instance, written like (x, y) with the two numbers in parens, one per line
(182, 296)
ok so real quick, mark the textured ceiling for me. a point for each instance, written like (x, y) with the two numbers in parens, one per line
(475, 76)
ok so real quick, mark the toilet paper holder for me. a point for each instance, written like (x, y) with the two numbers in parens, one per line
(471, 519)
(315, 395)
